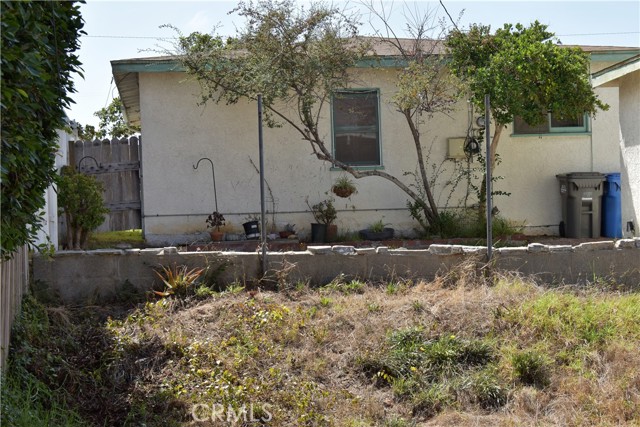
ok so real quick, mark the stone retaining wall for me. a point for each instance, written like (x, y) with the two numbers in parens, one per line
(80, 276)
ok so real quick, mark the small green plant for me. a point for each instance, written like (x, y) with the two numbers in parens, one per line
(504, 227)
(215, 220)
(234, 288)
(488, 389)
(323, 212)
(531, 368)
(178, 280)
(210, 277)
(345, 287)
(392, 288)
(374, 307)
(325, 301)
(344, 187)
(417, 306)
(377, 227)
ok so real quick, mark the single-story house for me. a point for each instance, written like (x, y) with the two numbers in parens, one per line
(177, 132)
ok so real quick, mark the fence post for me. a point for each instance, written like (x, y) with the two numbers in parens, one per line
(14, 282)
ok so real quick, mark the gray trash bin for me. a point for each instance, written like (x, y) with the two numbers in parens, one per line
(581, 194)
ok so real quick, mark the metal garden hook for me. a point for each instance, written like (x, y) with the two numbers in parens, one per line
(88, 157)
(213, 175)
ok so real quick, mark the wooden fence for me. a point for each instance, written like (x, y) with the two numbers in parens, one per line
(14, 276)
(116, 164)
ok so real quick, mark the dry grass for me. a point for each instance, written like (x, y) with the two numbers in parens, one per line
(308, 354)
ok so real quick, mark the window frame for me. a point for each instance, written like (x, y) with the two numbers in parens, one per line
(585, 129)
(377, 127)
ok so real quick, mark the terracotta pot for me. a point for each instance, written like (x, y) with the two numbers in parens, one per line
(216, 236)
(331, 233)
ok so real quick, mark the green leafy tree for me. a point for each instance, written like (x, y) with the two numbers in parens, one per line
(38, 44)
(87, 132)
(112, 123)
(296, 57)
(81, 201)
(424, 88)
(525, 73)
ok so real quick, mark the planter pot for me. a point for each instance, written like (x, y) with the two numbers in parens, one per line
(318, 233)
(342, 192)
(385, 234)
(332, 233)
(251, 229)
(216, 236)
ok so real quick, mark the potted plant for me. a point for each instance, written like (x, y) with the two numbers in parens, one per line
(252, 227)
(289, 230)
(344, 187)
(324, 213)
(377, 231)
(214, 221)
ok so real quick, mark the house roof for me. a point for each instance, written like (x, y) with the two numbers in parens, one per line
(126, 71)
(616, 71)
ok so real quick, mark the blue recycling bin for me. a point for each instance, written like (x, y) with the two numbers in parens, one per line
(612, 206)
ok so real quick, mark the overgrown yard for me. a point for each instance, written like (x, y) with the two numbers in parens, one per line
(461, 350)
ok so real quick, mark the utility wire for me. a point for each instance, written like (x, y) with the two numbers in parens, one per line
(174, 38)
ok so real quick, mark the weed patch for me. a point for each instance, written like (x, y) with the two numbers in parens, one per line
(494, 350)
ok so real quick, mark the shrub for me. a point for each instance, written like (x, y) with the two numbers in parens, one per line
(80, 197)
(178, 280)
(531, 368)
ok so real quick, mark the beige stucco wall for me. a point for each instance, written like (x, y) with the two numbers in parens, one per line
(177, 132)
(630, 149)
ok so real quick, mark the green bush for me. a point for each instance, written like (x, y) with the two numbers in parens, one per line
(434, 373)
(531, 368)
(39, 41)
(80, 198)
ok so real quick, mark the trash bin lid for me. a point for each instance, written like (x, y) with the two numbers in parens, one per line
(585, 175)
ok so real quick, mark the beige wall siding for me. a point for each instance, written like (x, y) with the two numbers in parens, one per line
(630, 149)
(178, 132)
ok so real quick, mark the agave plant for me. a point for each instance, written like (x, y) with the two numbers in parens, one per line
(178, 279)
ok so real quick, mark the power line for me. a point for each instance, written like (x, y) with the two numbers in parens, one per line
(598, 34)
(174, 38)
(129, 37)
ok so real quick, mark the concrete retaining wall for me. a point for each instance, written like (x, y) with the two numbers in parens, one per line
(80, 276)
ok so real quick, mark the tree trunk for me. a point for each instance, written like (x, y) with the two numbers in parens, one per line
(482, 202)
(497, 131)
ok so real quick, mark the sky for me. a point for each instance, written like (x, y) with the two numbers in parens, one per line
(132, 29)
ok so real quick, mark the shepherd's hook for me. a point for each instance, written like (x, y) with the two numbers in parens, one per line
(88, 157)
(213, 175)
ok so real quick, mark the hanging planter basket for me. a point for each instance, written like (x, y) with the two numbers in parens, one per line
(342, 192)
(343, 187)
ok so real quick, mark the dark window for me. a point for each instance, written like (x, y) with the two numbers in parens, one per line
(356, 133)
(553, 124)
